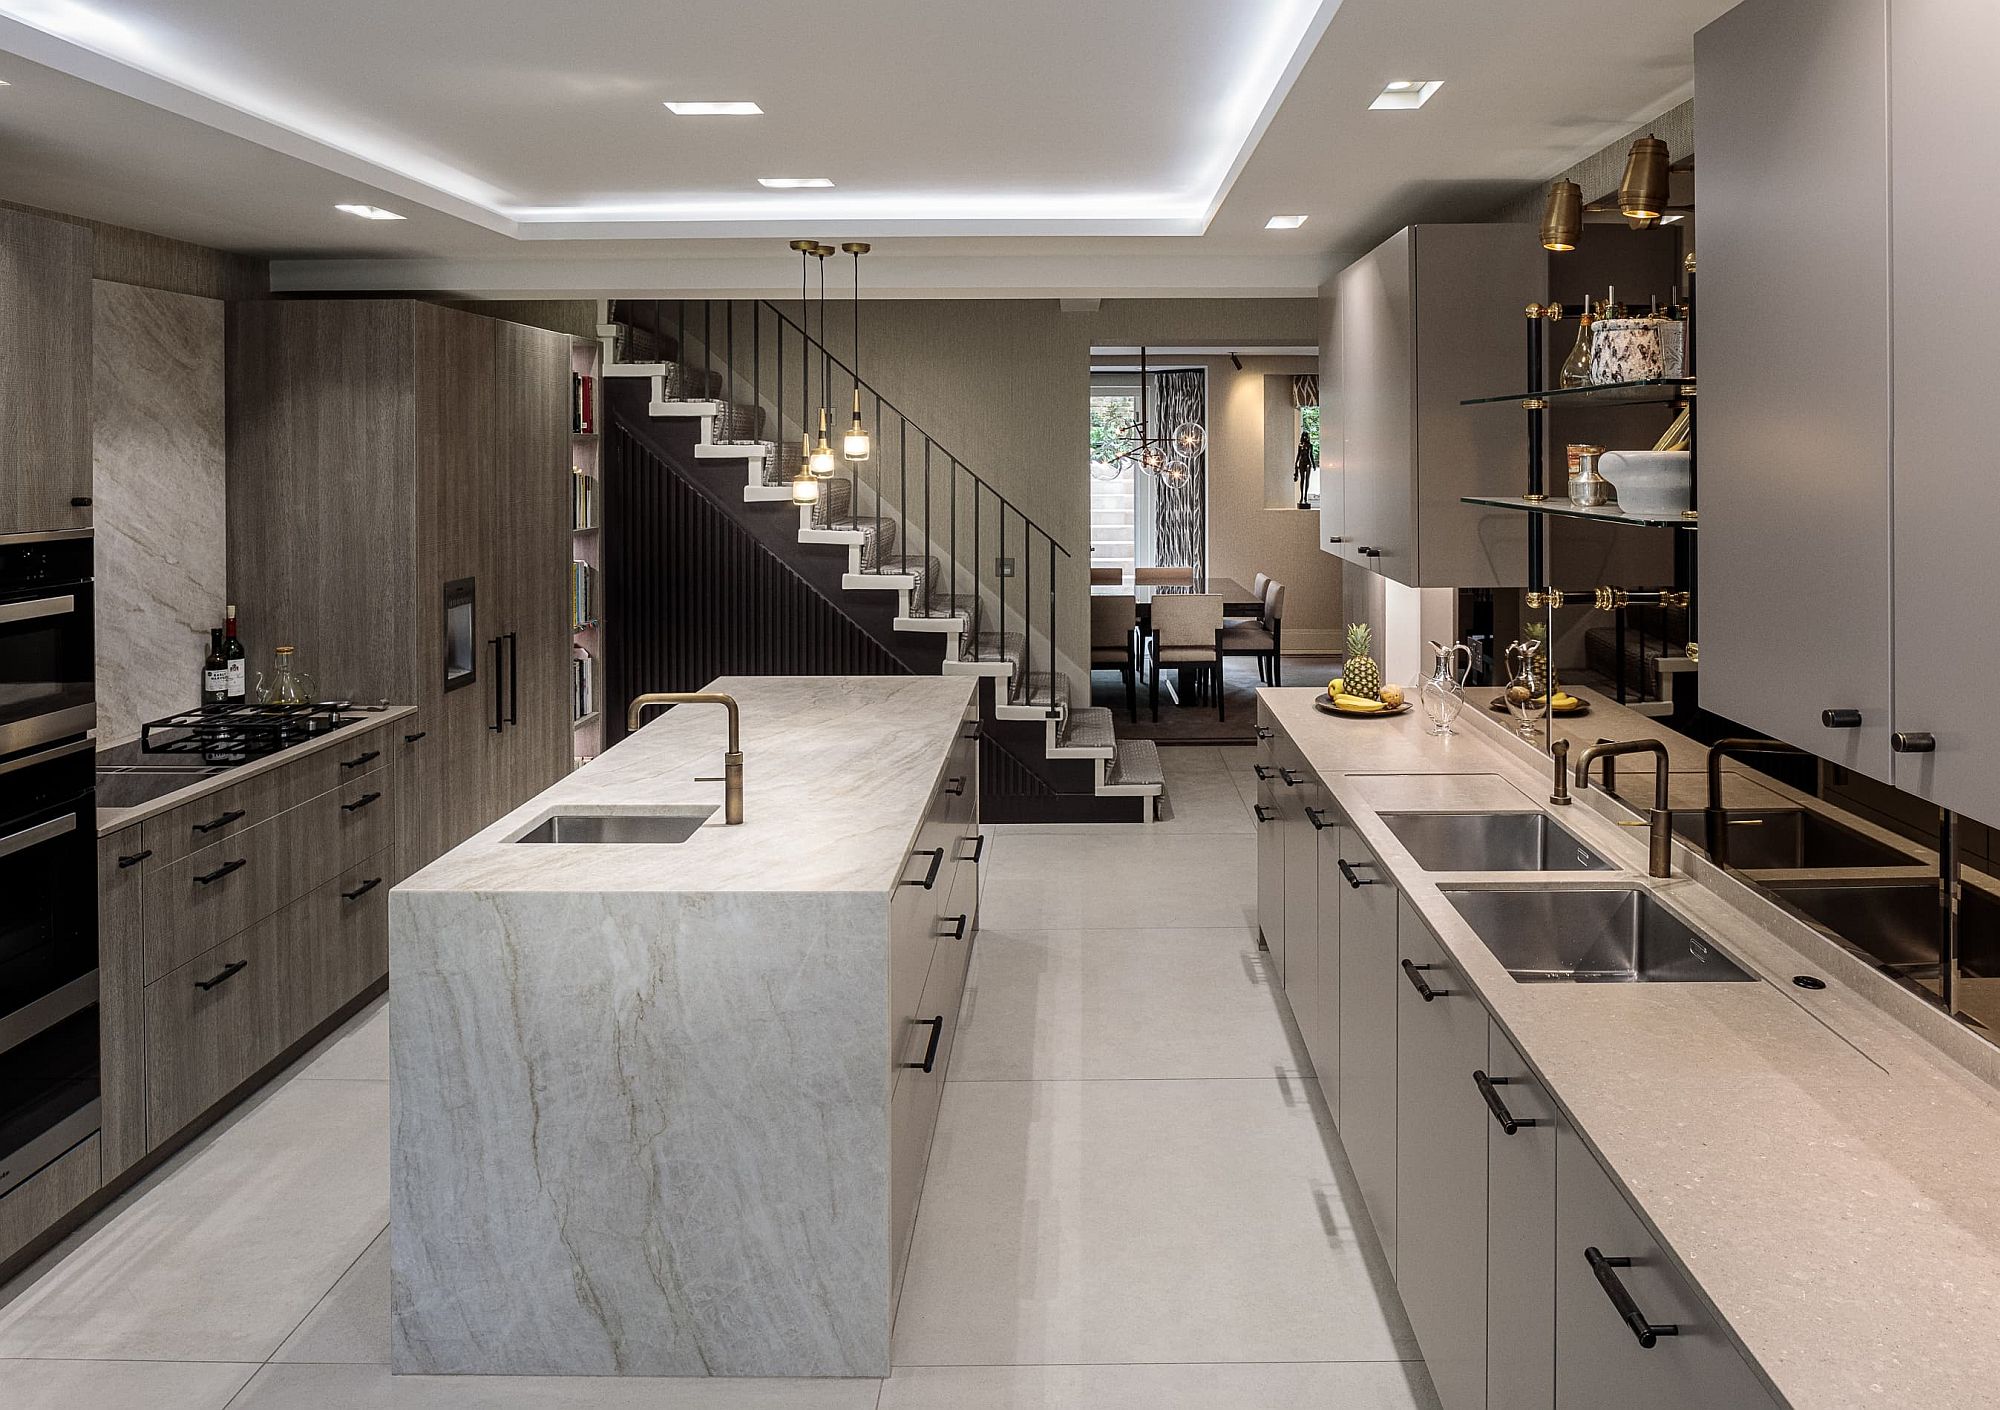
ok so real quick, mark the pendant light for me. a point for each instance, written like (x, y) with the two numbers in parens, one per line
(805, 489)
(1642, 195)
(1562, 217)
(822, 462)
(855, 445)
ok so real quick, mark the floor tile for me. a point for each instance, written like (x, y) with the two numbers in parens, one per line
(1140, 1222)
(351, 1322)
(296, 1387)
(225, 1257)
(117, 1385)
(360, 1050)
(1355, 1385)
(1140, 879)
(1065, 1004)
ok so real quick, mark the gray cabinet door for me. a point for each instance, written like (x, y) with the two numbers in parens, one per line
(1332, 890)
(1378, 370)
(1301, 980)
(45, 374)
(1369, 978)
(1599, 1359)
(1332, 428)
(1270, 847)
(1946, 299)
(1794, 362)
(1441, 1125)
(121, 1006)
(1520, 1237)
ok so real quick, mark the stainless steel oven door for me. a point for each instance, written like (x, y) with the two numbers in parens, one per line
(47, 659)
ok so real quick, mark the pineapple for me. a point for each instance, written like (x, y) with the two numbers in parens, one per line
(1539, 665)
(1361, 675)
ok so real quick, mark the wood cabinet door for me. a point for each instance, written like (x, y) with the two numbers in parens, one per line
(1327, 933)
(1369, 977)
(121, 1006)
(1520, 1236)
(1442, 1037)
(45, 374)
(1378, 368)
(1306, 800)
(1794, 420)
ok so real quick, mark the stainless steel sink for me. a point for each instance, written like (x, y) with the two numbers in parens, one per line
(1778, 839)
(1492, 842)
(1897, 927)
(1604, 935)
(662, 825)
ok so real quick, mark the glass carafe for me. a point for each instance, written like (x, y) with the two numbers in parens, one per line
(1576, 367)
(1527, 694)
(1442, 691)
(284, 684)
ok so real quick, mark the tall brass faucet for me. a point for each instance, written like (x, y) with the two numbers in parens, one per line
(732, 761)
(1660, 854)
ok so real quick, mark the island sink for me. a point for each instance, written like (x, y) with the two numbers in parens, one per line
(1607, 935)
(663, 825)
(1491, 842)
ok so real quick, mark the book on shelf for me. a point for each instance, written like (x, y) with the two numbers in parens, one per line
(583, 500)
(582, 595)
(582, 684)
(582, 402)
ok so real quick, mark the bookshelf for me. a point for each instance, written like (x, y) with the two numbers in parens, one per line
(586, 556)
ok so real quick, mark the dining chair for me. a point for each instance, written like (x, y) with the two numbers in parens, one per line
(1187, 635)
(1261, 638)
(1177, 576)
(1257, 586)
(1114, 642)
(1110, 577)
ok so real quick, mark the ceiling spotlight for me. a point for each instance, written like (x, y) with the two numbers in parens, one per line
(1284, 222)
(1407, 93)
(793, 183)
(369, 212)
(730, 109)
(1642, 195)
(1562, 217)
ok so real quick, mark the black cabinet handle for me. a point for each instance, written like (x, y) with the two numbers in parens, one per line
(224, 821)
(79, 501)
(1265, 773)
(135, 858)
(229, 971)
(358, 804)
(930, 1049)
(1840, 719)
(971, 731)
(1336, 538)
(957, 931)
(222, 871)
(1913, 742)
(1292, 777)
(513, 678)
(1317, 817)
(413, 738)
(1628, 1311)
(1347, 870)
(1265, 814)
(499, 687)
(1369, 552)
(359, 760)
(1509, 1122)
(978, 842)
(954, 788)
(363, 889)
(1263, 733)
(936, 854)
(1414, 973)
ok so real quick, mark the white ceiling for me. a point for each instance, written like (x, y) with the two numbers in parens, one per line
(1038, 147)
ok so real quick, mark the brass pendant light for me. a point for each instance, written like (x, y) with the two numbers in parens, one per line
(805, 489)
(822, 462)
(855, 445)
(1562, 217)
(1643, 194)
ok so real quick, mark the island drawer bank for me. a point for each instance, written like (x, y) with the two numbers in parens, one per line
(1794, 1180)
(208, 987)
(665, 1108)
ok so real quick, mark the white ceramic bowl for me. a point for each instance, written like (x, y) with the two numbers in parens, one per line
(1650, 482)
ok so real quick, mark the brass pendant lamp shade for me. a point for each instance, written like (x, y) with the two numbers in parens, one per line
(855, 445)
(1642, 195)
(1562, 217)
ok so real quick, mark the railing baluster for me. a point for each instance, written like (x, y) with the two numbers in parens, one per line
(978, 612)
(681, 337)
(1000, 573)
(1027, 601)
(757, 368)
(1052, 624)
(707, 352)
(951, 508)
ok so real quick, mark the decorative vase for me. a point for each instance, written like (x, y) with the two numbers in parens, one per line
(1587, 488)
(1651, 482)
(1626, 350)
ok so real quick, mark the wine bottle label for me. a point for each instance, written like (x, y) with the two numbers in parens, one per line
(215, 681)
(234, 672)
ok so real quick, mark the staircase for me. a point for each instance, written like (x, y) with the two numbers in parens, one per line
(915, 526)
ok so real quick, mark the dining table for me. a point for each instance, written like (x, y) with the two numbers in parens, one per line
(1237, 600)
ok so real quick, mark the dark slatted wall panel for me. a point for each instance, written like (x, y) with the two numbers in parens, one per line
(1003, 776)
(690, 595)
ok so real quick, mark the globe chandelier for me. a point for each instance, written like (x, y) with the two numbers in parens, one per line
(1170, 455)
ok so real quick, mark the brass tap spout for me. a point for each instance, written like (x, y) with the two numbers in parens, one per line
(1660, 854)
(732, 761)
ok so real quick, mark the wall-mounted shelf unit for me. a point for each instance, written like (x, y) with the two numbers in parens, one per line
(1603, 513)
(586, 464)
(1653, 392)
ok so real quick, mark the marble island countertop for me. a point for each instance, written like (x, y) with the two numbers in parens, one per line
(836, 775)
(1825, 1164)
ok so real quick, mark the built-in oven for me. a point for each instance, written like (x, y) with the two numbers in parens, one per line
(47, 660)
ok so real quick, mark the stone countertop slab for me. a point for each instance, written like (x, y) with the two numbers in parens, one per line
(1827, 1175)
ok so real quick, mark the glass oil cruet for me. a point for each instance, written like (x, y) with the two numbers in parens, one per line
(1443, 690)
(1526, 697)
(1576, 367)
(284, 685)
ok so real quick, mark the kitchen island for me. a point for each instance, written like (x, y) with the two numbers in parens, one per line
(663, 1108)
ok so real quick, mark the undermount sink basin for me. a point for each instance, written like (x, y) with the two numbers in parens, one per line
(1491, 842)
(1782, 839)
(661, 825)
(1605, 935)
(1897, 927)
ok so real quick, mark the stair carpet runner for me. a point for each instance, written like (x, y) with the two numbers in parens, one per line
(1125, 767)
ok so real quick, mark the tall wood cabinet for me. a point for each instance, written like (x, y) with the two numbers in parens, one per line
(45, 374)
(385, 453)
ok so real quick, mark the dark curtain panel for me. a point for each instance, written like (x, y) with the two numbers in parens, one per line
(1305, 389)
(1180, 514)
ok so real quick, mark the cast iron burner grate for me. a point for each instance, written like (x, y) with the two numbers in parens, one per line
(238, 732)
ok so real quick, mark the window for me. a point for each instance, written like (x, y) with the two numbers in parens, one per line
(1309, 428)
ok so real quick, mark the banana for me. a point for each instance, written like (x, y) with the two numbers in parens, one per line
(1358, 705)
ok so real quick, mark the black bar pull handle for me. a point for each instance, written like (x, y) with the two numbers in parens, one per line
(358, 804)
(1265, 773)
(930, 1048)
(957, 930)
(1606, 1270)
(1263, 733)
(513, 678)
(360, 759)
(978, 841)
(499, 687)
(1840, 719)
(222, 871)
(1414, 973)
(1369, 552)
(1509, 1122)
(936, 854)
(1292, 777)
(135, 858)
(363, 889)
(954, 788)
(229, 971)
(1913, 742)
(224, 821)
(1265, 814)
(1347, 870)
(413, 738)
(1317, 817)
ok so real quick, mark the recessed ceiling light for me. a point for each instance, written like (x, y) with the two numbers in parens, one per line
(731, 109)
(792, 183)
(1407, 93)
(1284, 222)
(369, 212)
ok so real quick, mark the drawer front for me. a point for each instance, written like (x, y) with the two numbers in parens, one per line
(32, 1206)
(214, 1021)
(345, 760)
(364, 816)
(346, 948)
(912, 942)
(913, 1112)
(217, 817)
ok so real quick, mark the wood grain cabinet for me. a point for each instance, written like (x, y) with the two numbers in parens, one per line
(45, 374)
(121, 1013)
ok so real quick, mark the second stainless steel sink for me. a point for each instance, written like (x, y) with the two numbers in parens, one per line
(659, 825)
(1897, 927)
(1792, 839)
(1492, 842)
(1602, 935)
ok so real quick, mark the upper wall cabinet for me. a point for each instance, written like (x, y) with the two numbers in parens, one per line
(1429, 318)
(44, 374)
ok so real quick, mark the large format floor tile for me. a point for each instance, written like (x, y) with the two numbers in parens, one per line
(360, 1050)
(1140, 878)
(1350, 1385)
(117, 1385)
(300, 1387)
(351, 1323)
(1120, 1003)
(1141, 1221)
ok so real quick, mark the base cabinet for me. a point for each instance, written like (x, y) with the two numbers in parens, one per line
(1305, 816)
(1369, 978)
(1325, 1044)
(1271, 814)
(1521, 1135)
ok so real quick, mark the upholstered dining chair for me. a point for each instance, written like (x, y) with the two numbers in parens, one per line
(1179, 576)
(1257, 586)
(1114, 642)
(1108, 577)
(1187, 635)
(1262, 637)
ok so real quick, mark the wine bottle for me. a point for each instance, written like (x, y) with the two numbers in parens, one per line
(232, 653)
(214, 671)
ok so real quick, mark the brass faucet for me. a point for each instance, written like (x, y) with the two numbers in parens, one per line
(1660, 854)
(732, 762)
(1715, 818)
(1559, 751)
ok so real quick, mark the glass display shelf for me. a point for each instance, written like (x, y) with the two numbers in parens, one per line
(1562, 508)
(1663, 389)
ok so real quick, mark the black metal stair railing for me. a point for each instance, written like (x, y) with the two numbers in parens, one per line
(924, 513)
